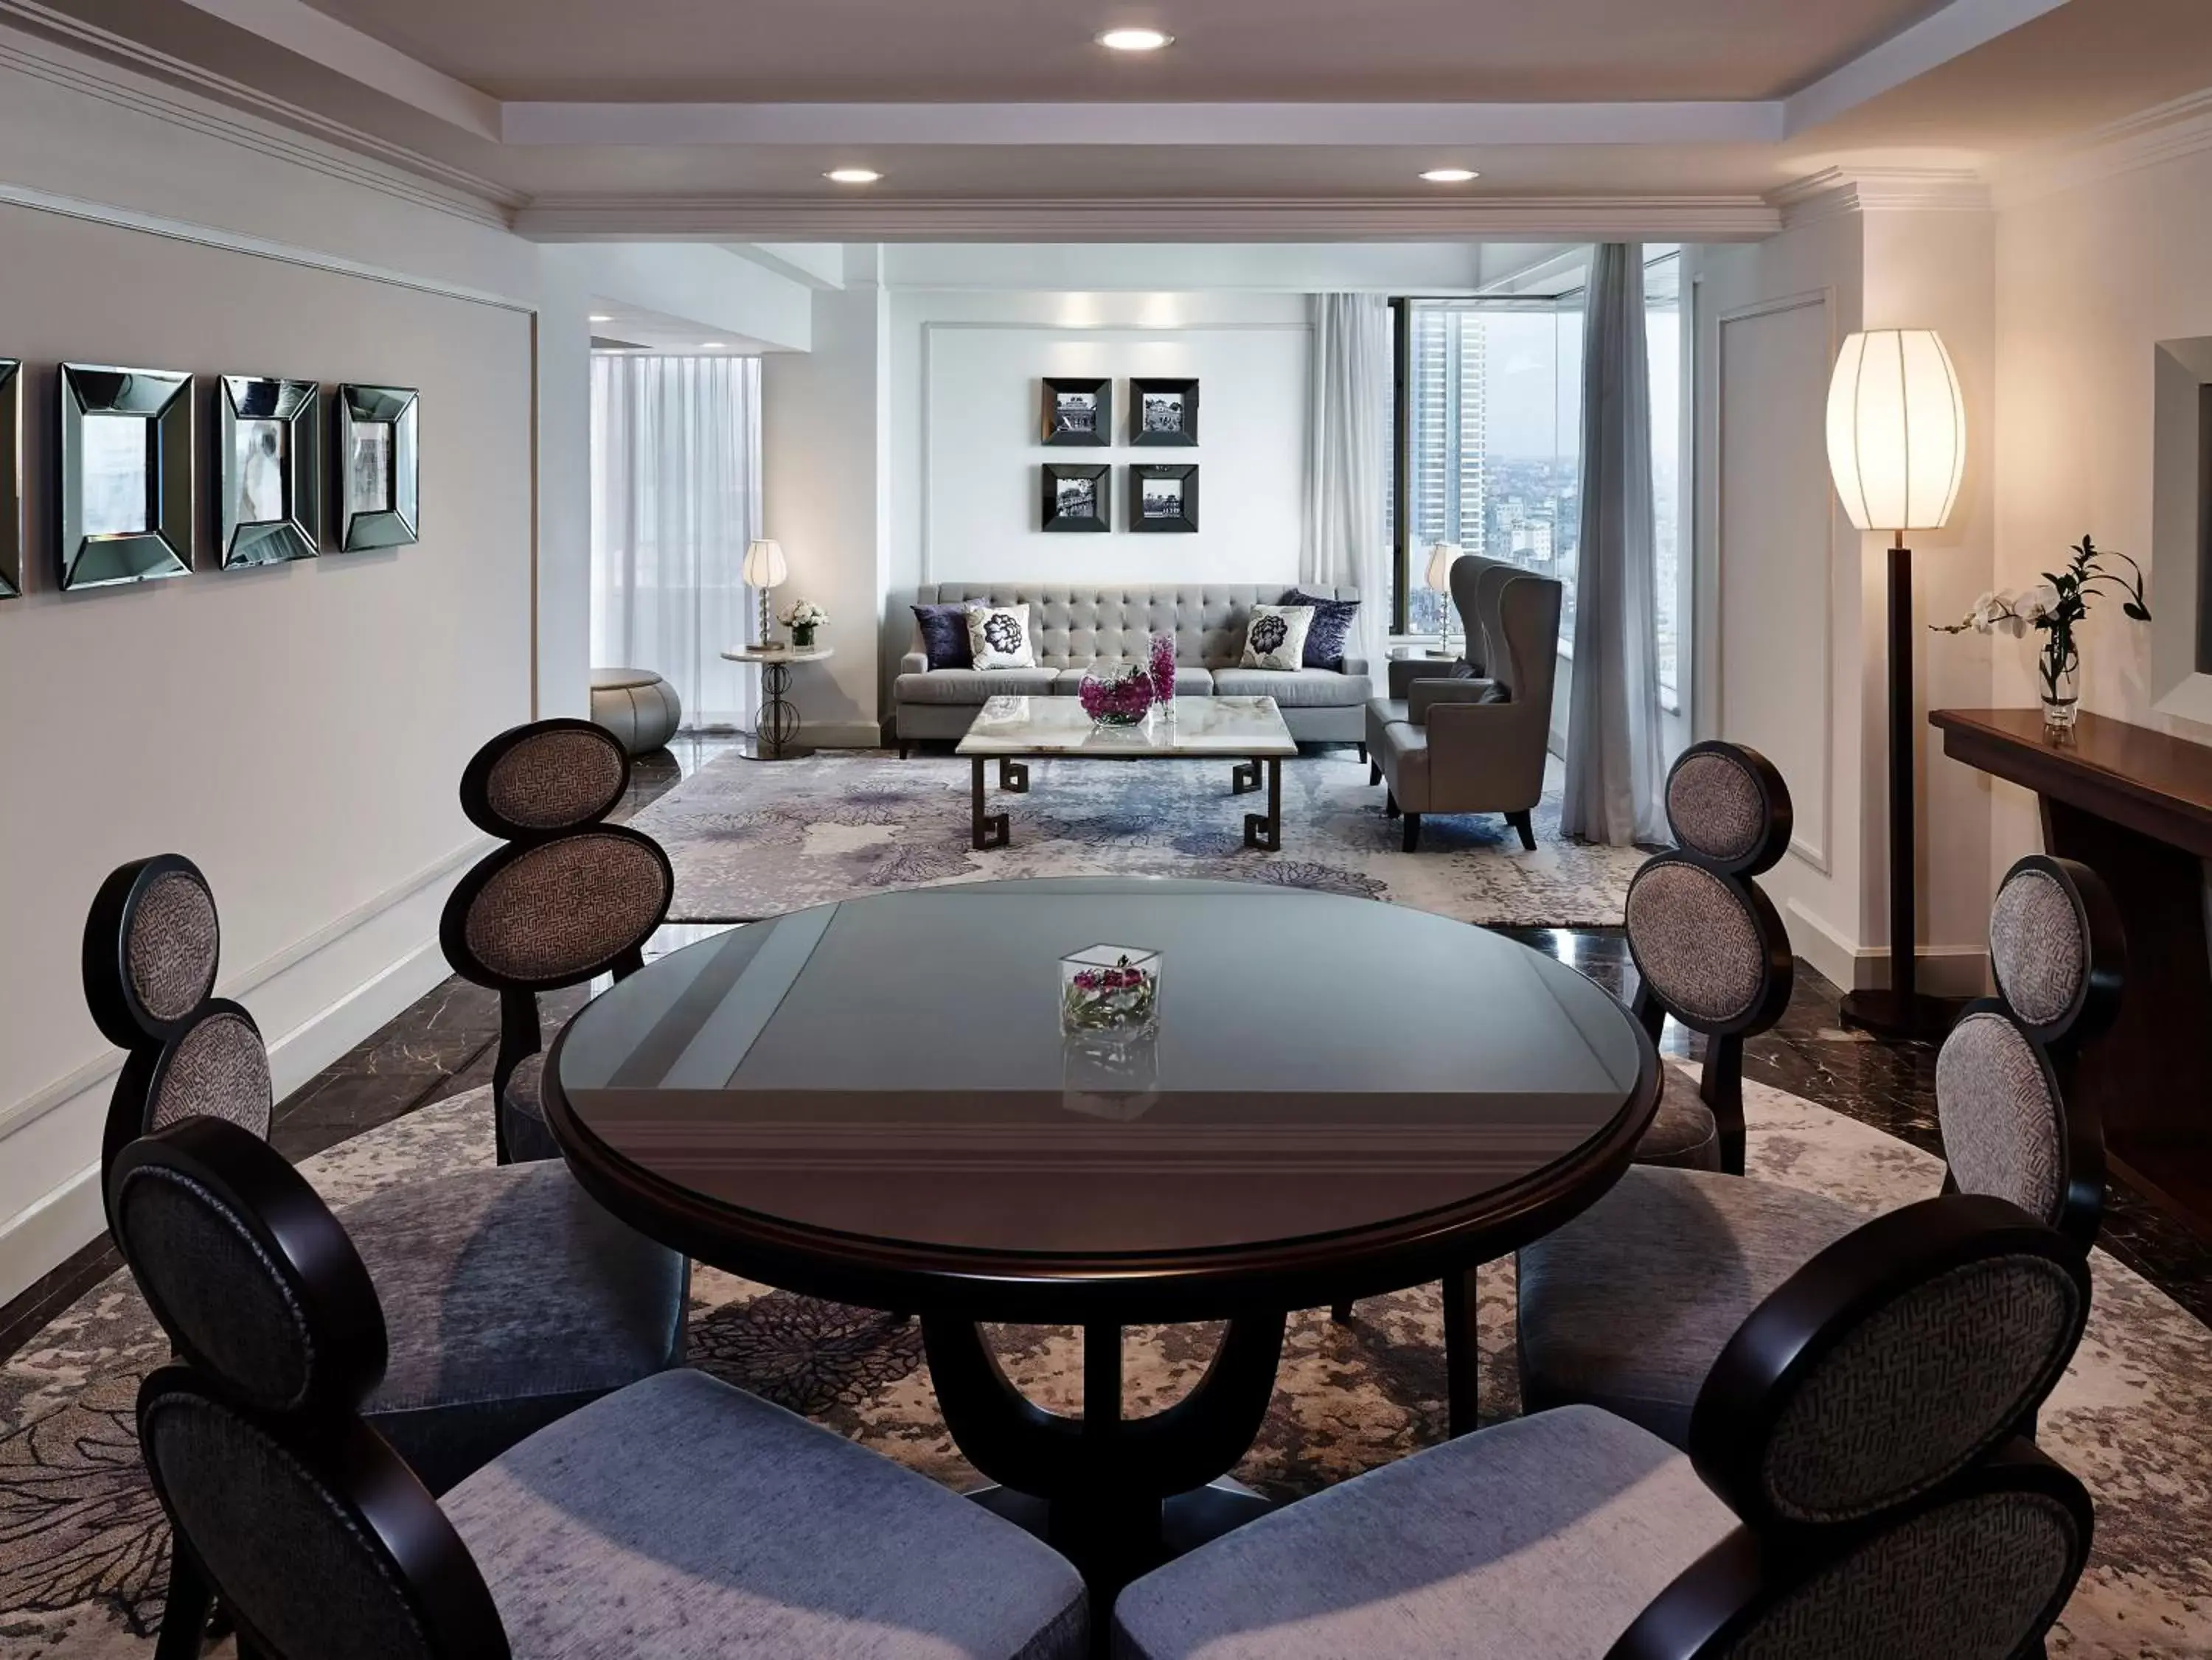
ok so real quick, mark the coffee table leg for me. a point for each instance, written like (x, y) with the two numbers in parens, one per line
(1266, 831)
(1244, 777)
(1461, 1351)
(984, 829)
(1115, 1496)
(1013, 776)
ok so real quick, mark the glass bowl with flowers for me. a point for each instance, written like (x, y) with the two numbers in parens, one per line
(803, 617)
(1118, 696)
(1109, 989)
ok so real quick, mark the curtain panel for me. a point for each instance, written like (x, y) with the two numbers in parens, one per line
(1348, 449)
(1615, 772)
(676, 495)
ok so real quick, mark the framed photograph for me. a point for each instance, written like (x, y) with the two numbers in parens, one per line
(1163, 411)
(11, 478)
(126, 467)
(379, 464)
(1078, 413)
(1077, 499)
(267, 470)
(1164, 499)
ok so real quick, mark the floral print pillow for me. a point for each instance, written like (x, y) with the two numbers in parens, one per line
(1276, 636)
(998, 636)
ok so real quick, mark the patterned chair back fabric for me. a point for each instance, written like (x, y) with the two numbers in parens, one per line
(1074, 627)
(318, 1540)
(1709, 947)
(2001, 1080)
(152, 942)
(569, 898)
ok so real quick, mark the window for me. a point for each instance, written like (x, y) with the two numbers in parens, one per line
(1490, 442)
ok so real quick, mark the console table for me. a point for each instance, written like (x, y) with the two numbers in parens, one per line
(2136, 807)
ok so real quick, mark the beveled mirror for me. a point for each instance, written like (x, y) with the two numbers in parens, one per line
(267, 470)
(379, 467)
(11, 478)
(125, 460)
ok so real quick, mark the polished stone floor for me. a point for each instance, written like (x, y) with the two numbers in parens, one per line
(445, 1043)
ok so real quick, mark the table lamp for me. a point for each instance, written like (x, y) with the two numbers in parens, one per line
(1440, 557)
(1897, 445)
(764, 569)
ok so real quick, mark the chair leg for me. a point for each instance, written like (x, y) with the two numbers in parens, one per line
(183, 1624)
(1389, 804)
(1412, 831)
(1363, 750)
(1462, 1351)
(1341, 1313)
(903, 749)
(1521, 822)
(1374, 774)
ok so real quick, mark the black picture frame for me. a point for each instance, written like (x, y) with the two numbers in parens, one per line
(1183, 394)
(1185, 494)
(1060, 412)
(11, 478)
(1058, 506)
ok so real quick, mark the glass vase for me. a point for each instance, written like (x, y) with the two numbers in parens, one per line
(2058, 669)
(1116, 697)
(1109, 990)
(802, 639)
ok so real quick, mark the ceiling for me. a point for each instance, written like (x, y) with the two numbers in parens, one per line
(1002, 119)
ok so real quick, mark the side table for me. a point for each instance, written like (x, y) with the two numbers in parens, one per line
(778, 723)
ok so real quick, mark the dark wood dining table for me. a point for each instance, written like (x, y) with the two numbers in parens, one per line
(874, 1101)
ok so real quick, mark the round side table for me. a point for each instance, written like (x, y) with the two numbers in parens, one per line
(779, 723)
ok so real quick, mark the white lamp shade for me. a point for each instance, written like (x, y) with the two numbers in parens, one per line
(764, 565)
(1441, 557)
(1897, 430)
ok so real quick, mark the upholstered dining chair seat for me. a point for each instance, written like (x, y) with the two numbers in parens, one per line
(682, 1519)
(1628, 1305)
(512, 1298)
(522, 1109)
(1684, 1135)
(1542, 1538)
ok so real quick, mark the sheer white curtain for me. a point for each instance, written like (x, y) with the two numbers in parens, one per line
(1347, 448)
(675, 469)
(1614, 770)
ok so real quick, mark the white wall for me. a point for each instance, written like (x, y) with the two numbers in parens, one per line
(982, 459)
(2090, 279)
(298, 730)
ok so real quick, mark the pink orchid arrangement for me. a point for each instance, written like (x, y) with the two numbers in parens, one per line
(1116, 697)
(1161, 662)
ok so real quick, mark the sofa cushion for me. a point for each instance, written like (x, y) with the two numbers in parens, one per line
(1075, 625)
(1191, 681)
(1329, 639)
(1294, 688)
(973, 685)
(945, 636)
(1276, 636)
(998, 636)
(1542, 1539)
(682, 1519)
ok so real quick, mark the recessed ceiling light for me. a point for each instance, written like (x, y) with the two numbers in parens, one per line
(601, 317)
(1450, 175)
(852, 175)
(1135, 39)
(711, 345)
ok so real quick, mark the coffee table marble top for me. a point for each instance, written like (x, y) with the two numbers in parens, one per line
(1244, 728)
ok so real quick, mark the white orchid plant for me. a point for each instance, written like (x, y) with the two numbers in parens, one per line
(2055, 606)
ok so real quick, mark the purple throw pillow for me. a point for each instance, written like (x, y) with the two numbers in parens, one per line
(1331, 633)
(945, 635)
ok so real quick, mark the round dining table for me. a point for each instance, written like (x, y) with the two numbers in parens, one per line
(875, 1101)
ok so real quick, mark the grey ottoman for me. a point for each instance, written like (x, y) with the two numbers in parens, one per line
(639, 707)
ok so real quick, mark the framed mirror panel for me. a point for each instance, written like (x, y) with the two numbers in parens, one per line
(11, 478)
(379, 467)
(126, 483)
(267, 470)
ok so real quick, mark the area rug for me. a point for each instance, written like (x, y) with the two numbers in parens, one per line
(750, 840)
(83, 1550)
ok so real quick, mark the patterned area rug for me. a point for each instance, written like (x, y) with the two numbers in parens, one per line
(84, 1547)
(751, 840)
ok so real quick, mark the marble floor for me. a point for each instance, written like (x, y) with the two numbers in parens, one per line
(445, 1043)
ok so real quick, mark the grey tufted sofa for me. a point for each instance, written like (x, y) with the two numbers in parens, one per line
(1077, 628)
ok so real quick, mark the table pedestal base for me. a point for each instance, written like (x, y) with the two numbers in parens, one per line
(1117, 1497)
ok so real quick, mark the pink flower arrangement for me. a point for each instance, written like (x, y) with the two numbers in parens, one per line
(1161, 665)
(1117, 698)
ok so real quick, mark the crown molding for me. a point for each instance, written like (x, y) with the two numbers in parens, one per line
(1835, 192)
(1950, 31)
(70, 53)
(1122, 219)
(2148, 138)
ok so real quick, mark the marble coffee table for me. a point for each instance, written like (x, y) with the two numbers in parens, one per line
(1248, 730)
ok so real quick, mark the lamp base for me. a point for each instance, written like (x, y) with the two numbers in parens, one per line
(1915, 1016)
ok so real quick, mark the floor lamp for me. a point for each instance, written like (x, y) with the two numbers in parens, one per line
(1897, 445)
(1441, 558)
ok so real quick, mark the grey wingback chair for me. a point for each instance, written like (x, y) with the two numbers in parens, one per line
(1476, 742)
